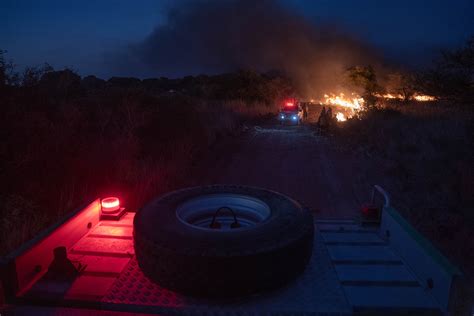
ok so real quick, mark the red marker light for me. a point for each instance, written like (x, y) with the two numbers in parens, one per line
(289, 103)
(110, 204)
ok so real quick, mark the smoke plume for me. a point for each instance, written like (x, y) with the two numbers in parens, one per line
(217, 36)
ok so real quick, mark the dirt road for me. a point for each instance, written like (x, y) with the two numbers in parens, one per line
(287, 159)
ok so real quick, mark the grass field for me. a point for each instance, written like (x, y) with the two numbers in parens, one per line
(61, 152)
(423, 154)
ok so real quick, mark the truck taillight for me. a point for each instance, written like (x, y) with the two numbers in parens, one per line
(111, 209)
(110, 205)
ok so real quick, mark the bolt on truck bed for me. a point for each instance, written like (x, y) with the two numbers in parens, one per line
(354, 269)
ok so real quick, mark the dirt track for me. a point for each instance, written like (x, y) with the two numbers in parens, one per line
(287, 159)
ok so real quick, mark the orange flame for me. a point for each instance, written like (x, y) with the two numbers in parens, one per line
(416, 97)
(423, 98)
(354, 101)
(340, 117)
(390, 96)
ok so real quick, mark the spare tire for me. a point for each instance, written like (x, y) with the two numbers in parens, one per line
(223, 240)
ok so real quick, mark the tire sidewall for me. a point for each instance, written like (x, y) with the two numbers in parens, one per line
(158, 223)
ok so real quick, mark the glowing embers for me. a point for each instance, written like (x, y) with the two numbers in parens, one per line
(110, 208)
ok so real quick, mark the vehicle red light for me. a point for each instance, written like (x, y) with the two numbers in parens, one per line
(110, 204)
(289, 103)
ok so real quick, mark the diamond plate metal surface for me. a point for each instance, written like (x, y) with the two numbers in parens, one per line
(316, 292)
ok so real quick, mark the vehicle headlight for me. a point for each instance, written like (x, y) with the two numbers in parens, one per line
(295, 117)
(282, 116)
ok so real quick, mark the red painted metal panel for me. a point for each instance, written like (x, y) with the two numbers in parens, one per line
(100, 264)
(112, 231)
(87, 287)
(104, 247)
(127, 219)
(33, 261)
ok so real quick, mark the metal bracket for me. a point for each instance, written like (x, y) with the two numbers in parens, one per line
(379, 189)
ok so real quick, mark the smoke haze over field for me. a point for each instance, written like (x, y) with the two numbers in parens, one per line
(220, 36)
(92, 36)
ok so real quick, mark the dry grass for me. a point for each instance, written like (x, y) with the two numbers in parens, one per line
(250, 109)
(423, 154)
(58, 155)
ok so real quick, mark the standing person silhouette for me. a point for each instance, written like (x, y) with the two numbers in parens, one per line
(322, 121)
(329, 118)
(322, 115)
(305, 111)
(329, 113)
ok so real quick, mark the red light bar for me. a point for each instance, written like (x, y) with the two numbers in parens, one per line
(110, 204)
(289, 103)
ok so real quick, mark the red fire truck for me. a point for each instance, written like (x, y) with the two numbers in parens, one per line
(291, 112)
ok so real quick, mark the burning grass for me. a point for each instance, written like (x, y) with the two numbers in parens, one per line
(415, 97)
(352, 104)
(353, 101)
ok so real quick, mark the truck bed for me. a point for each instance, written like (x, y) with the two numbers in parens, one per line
(352, 270)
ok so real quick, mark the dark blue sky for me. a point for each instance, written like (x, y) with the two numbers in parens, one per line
(80, 34)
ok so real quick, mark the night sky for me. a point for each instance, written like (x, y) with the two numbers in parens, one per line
(82, 34)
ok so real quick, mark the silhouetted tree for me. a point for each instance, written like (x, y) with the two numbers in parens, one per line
(403, 84)
(92, 83)
(124, 82)
(32, 75)
(3, 70)
(452, 77)
(8, 75)
(63, 83)
(364, 77)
